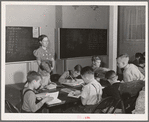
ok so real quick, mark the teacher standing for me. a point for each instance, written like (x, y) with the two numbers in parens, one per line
(44, 56)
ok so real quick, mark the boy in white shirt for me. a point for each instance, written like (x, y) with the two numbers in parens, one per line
(90, 95)
(131, 72)
(92, 91)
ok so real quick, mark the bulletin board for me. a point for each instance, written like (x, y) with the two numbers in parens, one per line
(21, 42)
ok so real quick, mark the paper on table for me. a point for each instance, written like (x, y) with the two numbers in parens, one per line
(67, 90)
(72, 94)
(51, 86)
(73, 82)
(55, 100)
(42, 95)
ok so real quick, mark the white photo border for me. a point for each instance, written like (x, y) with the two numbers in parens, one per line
(37, 116)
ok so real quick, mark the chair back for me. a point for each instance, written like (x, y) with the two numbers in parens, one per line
(11, 108)
(55, 77)
(119, 103)
(108, 105)
(129, 103)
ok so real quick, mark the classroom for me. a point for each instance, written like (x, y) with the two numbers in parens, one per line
(76, 36)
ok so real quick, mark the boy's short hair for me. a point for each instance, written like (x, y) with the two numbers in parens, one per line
(123, 57)
(95, 57)
(143, 53)
(78, 68)
(32, 75)
(142, 60)
(87, 70)
(41, 37)
(138, 55)
(109, 74)
(45, 66)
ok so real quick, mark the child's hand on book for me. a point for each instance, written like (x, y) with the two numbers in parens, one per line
(39, 98)
(48, 98)
(53, 83)
(68, 81)
(52, 68)
(76, 93)
(50, 86)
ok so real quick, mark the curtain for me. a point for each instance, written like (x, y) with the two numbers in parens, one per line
(134, 23)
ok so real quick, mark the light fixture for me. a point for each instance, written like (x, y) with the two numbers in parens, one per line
(75, 6)
(94, 7)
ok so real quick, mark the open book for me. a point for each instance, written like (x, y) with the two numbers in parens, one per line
(50, 86)
(73, 82)
(55, 100)
(54, 95)
(67, 90)
(75, 94)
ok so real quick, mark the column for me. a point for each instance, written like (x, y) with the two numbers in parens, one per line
(113, 22)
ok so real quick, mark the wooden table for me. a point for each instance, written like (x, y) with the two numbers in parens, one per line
(13, 94)
(63, 96)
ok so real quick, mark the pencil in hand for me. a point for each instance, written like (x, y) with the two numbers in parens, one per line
(75, 79)
(82, 84)
(72, 78)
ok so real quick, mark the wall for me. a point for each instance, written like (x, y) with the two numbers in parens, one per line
(131, 48)
(85, 17)
(29, 15)
(50, 18)
(58, 24)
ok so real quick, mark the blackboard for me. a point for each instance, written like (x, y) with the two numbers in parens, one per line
(76, 42)
(20, 44)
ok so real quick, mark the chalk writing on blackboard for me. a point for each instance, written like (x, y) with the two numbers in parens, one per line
(20, 44)
(75, 42)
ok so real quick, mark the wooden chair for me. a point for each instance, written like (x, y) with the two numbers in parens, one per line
(10, 107)
(109, 105)
(129, 102)
(55, 77)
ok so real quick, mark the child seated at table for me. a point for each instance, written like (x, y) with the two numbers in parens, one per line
(113, 88)
(141, 65)
(70, 74)
(131, 72)
(137, 57)
(29, 104)
(91, 92)
(46, 82)
(98, 70)
(125, 90)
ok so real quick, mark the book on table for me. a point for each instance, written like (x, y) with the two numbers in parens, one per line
(76, 82)
(53, 94)
(67, 90)
(75, 94)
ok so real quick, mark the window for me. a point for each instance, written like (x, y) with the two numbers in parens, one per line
(134, 23)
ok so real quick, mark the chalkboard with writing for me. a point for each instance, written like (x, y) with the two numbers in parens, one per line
(76, 42)
(20, 44)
